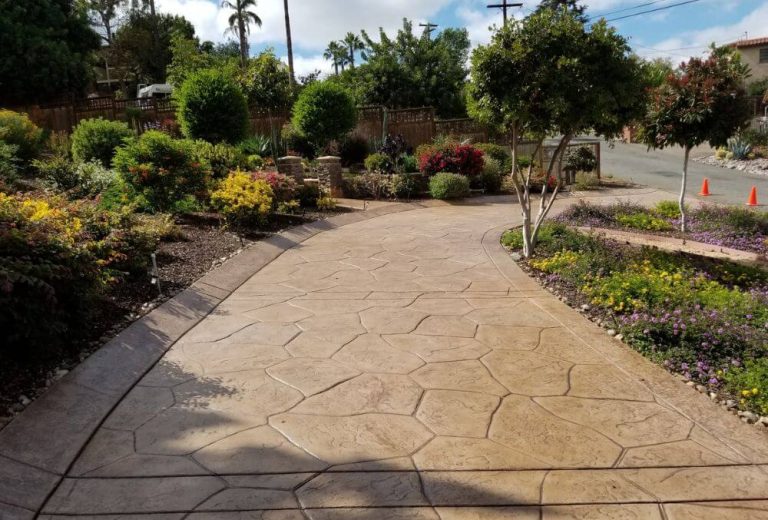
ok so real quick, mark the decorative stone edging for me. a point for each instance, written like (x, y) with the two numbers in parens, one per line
(38, 447)
(754, 166)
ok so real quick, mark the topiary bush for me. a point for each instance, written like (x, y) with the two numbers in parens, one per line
(98, 139)
(164, 172)
(212, 107)
(18, 130)
(445, 186)
(324, 112)
(242, 199)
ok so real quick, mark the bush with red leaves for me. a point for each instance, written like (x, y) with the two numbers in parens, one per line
(455, 158)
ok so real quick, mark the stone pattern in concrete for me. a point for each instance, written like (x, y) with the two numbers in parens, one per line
(402, 368)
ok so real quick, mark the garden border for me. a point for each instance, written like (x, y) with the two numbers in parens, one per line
(39, 446)
(743, 439)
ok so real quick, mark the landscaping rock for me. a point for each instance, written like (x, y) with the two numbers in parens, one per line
(611, 332)
(750, 417)
(731, 404)
(516, 257)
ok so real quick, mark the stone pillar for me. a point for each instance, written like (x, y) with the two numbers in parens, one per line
(331, 165)
(291, 166)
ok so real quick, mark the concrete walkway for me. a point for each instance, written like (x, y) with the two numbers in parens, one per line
(403, 367)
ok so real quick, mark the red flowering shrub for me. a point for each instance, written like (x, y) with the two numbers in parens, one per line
(162, 170)
(283, 187)
(462, 159)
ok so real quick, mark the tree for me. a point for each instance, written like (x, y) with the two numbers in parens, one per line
(46, 45)
(324, 112)
(337, 54)
(266, 82)
(353, 43)
(548, 76)
(211, 106)
(240, 23)
(571, 5)
(289, 42)
(103, 16)
(145, 55)
(703, 101)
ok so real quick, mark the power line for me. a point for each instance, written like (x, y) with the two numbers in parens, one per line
(626, 9)
(653, 10)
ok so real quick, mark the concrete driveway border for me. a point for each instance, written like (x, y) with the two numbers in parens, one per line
(38, 446)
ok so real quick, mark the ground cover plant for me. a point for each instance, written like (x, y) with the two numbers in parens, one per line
(725, 226)
(704, 319)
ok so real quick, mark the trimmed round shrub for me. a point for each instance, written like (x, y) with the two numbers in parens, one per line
(491, 177)
(163, 171)
(379, 162)
(98, 139)
(18, 130)
(212, 107)
(324, 112)
(445, 186)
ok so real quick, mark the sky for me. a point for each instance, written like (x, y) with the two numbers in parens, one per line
(675, 33)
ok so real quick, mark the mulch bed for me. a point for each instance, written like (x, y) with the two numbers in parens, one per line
(204, 245)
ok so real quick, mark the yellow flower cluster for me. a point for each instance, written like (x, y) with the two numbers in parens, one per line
(240, 197)
(51, 213)
(557, 262)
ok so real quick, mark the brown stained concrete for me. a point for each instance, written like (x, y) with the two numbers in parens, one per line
(403, 366)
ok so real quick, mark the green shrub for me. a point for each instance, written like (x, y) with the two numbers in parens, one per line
(222, 157)
(667, 209)
(18, 130)
(243, 199)
(57, 171)
(98, 139)
(254, 162)
(758, 87)
(491, 177)
(308, 195)
(586, 181)
(379, 163)
(643, 221)
(750, 384)
(354, 150)
(408, 185)
(409, 164)
(324, 112)
(9, 163)
(755, 137)
(162, 170)
(93, 178)
(446, 186)
(212, 107)
(296, 143)
(580, 159)
(498, 153)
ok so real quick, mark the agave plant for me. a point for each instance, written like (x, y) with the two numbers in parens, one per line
(258, 145)
(739, 147)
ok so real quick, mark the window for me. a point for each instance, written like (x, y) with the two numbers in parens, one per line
(764, 55)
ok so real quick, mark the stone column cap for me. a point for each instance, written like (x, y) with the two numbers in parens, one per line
(326, 157)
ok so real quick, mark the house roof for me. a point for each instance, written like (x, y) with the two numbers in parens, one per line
(754, 42)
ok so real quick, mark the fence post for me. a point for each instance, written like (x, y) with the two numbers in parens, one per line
(597, 156)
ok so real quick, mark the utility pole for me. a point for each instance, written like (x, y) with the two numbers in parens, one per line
(504, 5)
(428, 28)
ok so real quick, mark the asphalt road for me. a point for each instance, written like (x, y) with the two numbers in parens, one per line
(662, 169)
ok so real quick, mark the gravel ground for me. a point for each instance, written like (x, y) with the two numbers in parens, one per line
(204, 246)
(755, 166)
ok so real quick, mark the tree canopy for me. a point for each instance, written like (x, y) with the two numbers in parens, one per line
(46, 45)
(412, 70)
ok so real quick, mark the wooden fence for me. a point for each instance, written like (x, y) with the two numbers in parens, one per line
(416, 125)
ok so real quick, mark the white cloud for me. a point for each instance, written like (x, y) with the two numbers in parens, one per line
(693, 43)
(304, 65)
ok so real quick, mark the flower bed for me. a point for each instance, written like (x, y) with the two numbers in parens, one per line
(704, 319)
(724, 226)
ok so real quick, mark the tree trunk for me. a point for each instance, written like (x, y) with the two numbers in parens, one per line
(351, 57)
(288, 43)
(336, 67)
(243, 39)
(683, 223)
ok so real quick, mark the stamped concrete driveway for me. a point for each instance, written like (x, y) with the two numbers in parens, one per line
(404, 367)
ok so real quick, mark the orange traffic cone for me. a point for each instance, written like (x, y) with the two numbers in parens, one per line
(752, 201)
(705, 188)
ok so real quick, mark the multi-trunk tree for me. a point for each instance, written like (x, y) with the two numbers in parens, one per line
(548, 76)
(702, 101)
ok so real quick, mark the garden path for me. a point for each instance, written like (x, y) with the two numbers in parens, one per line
(405, 367)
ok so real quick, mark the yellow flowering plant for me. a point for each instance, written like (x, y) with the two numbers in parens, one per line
(243, 199)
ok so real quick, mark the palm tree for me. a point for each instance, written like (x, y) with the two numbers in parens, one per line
(337, 53)
(288, 43)
(240, 23)
(353, 43)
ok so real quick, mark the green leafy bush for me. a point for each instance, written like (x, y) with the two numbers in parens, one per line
(446, 186)
(243, 199)
(409, 163)
(18, 130)
(98, 139)
(162, 171)
(254, 162)
(408, 185)
(379, 163)
(755, 137)
(324, 112)
(643, 221)
(308, 194)
(491, 177)
(580, 159)
(498, 153)
(667, 209)
(222, 157)
(296, 143)
(57, 171)
(212, 107)
(93, 179)
(750, 384)
(9, 163)
(354, 150)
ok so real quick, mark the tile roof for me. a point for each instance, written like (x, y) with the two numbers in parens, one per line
(750, 43)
